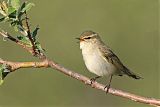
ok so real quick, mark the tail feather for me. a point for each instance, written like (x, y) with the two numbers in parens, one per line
(131, 74)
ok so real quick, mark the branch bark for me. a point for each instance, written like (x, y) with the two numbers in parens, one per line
(49, 63)
(11, 38)
(29, 34)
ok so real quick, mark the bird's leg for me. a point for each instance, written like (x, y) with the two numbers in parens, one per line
(108, 85)
(94, 79)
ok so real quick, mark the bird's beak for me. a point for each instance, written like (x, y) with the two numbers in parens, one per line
(80, 39)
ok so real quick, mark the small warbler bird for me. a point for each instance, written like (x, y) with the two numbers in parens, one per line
(99, 58)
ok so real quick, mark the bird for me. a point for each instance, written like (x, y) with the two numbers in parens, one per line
(100, 59)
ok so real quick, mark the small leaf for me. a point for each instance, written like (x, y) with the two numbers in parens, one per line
(16, 28)
(11, 10)
(4, 71)
(1, 81)
(12, 13)
(4, 74)
(20, 13)
(34, 34)
(39, 47)
(15, 4)
(13, 23)
(1, 76)
(25, 40)
(2, 19)
(23, 5)
(27, 7)
(3, 8)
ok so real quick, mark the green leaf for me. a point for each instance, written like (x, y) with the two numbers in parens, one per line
(15, 4)
(25, 40)
(11, 13)
(34, 34)
(13, 23)
(2, 19)
(16, 28)
(23, 5)
(27, 7)
(1, 71)
(1, 81)
(20, 13)
(4, 71)
(39, 47)
(11, 10)
(3, 8)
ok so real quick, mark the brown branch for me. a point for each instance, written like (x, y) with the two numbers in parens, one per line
(48, 63)
(30, 35)
(7, 35)
(29, 49)
(17, 65)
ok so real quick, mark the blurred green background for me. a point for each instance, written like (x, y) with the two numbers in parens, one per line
(129, 27)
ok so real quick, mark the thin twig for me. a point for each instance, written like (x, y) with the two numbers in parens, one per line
(30, 35)
(48, 63)
(29, 49)
(7, 35)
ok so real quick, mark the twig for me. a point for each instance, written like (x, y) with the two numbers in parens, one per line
(7, 35)
(29, 49)
(29, 34)
(48, 63)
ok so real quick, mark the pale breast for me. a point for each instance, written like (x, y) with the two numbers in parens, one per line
(95, 62)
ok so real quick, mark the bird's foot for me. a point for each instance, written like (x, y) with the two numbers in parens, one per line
(108, 87)
(94, 79)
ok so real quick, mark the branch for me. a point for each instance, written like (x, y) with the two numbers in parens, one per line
(29, 34)
(17, 65)
(48, 63)
(7, 35)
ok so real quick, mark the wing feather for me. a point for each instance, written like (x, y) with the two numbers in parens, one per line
(112, 58)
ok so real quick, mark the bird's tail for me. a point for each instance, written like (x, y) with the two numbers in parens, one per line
(131, 74)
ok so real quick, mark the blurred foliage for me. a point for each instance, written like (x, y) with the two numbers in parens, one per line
(129, 27)
(14, 13)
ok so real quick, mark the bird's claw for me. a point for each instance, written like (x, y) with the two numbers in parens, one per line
(108, 87)
(92, 80)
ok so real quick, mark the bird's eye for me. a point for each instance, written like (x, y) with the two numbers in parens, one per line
(88, 38)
